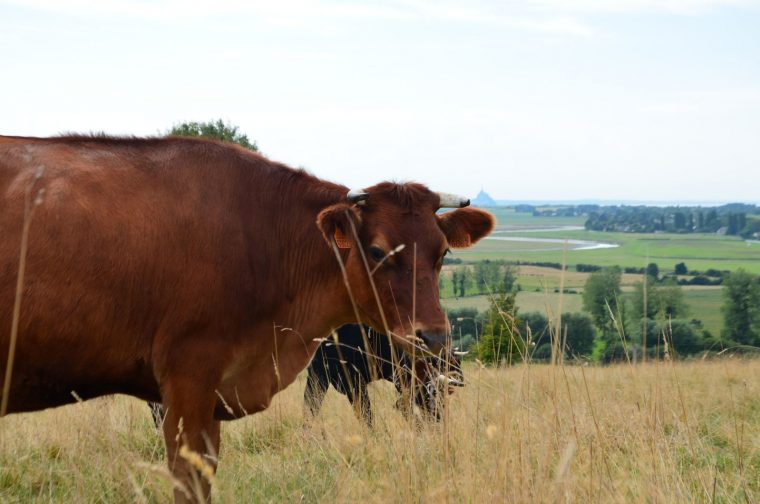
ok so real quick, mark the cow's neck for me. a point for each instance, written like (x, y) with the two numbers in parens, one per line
(312, 296)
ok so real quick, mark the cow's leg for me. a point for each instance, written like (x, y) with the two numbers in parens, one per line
(314, 393)
(359, 398)
(192, 440)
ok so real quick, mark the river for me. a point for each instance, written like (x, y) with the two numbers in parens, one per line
(565, 243)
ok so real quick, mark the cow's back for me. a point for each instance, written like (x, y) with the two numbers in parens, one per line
(129, 240)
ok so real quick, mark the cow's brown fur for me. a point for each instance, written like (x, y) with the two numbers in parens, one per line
(185, 271)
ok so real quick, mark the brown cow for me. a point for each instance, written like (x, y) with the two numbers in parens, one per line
(202, 275)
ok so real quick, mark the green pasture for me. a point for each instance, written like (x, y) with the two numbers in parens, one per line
(507, 218)
(543, 302)
(698, 251)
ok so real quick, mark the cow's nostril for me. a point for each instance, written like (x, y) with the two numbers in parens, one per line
(418, 333)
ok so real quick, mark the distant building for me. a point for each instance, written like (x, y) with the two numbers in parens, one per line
(722, 231)
(484, 200)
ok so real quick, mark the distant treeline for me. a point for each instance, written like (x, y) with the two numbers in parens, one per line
(732, 219)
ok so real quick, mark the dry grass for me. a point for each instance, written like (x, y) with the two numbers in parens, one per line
(686, 432)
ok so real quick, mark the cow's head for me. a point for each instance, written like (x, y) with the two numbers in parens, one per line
(434, 378)
(391, 242)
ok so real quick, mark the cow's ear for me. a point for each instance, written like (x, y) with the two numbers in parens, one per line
(335, 224)
(465, 226)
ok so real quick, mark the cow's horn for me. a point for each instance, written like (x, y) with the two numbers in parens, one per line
(358, 196)
(452, 201)
(460, 354)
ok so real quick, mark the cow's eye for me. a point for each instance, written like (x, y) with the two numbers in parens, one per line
(376, 253)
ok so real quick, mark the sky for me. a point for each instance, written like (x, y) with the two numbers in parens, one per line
(650, 100)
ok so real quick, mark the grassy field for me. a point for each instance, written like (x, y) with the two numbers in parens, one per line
(704, 303)
(661, 432)
(507, 219)
(698, 251)
(537, 295)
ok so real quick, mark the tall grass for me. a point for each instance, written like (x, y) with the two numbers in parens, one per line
(660, 432)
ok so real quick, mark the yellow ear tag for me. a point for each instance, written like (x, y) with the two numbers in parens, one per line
(461, 243)
(341, 240)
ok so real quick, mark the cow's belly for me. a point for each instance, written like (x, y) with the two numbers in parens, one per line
(251, 381)
(48, 380)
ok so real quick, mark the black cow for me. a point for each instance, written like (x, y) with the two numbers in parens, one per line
(346, 362)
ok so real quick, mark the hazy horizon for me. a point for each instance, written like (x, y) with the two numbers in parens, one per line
(548, 100)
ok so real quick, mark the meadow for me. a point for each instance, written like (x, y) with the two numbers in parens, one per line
(538, 294)
(655, 432)
(698, 251)
(665, 431)
(538, 284)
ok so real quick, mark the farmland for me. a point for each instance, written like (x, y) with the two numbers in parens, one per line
(661, 432)
(538, 285)
(698, 251)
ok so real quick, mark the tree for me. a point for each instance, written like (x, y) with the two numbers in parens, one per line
(465, 280)
(733, 224)
(602, 289)
(501, 341)
(466, 325)
(670, 301)
(578, 333)
(652, 305)
(487, 276)
(741, 308)
(712, 220)
(681, 269)
(535, 328)
(683, 337)
(653, 270)
(509, 277)
(455, 282)
(679, 220)
(663, 302)
(218, 130)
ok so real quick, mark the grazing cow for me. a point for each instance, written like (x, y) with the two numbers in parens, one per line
(201, 275)
(349, 362)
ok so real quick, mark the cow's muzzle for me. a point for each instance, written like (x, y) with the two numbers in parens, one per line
(436, 341)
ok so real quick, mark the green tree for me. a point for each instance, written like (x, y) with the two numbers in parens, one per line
(535, 328)
(741, 308)
(602, 289)
(679, 220)
(578, 333)
(653, 270)
(455, 282)
(466, 325)
(465, 280)
(662, 301)
(683, 337)
(681, 269)
(638, 300)
(487, 277)
(508, 279)
(670, 301)
(501, 341)
(218, 130)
